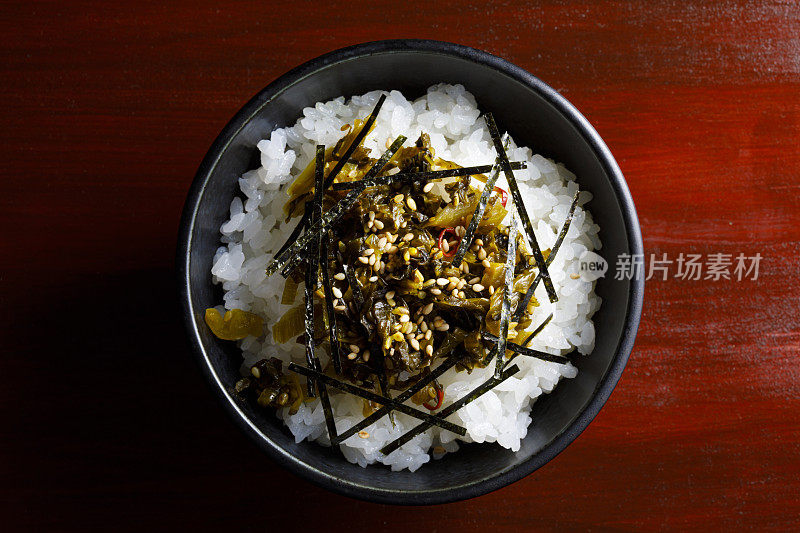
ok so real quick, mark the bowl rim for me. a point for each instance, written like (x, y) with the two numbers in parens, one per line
(347, 487)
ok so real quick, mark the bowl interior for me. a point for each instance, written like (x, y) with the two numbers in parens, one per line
(534, 120)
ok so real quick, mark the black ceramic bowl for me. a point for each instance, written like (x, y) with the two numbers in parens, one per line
(536, 116)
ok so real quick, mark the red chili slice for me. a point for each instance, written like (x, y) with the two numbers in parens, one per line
(453, 249)
(503, 195)
(439, 398)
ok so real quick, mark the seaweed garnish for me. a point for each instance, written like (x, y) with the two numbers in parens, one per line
(538, 329)
(523, 304)
(293, 254)
(326, 284)
(436, 420)
(356, 142)
(523, 214)
(505, 310)
(405, 395)
(477, 215)
(521, 349)
(295, 232)
(447, 411)
(428, 175)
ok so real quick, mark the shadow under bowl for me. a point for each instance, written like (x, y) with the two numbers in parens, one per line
(536, 116)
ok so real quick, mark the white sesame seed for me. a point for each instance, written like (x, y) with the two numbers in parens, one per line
(355, 348)
(486, 263)
(427, 309)
(411, 204)
(378, 224)
(363, 259)
(370, 224)
(427, 188)
(479, 242)
(408, 236)
(482, 254)
(352, 355)
(445, 246)
(340, 307)
(429, 349)
(368, 252)
(372, 259)
(340, 276)
(406, 256)
(423, 326)
(414, 343)
(477, 287)
(377, 266)
(365, 356)
(442, 282)
(428, 334)
(443, 327)
(491, 289)
(390, 295)
(436, 291)
(372, 215)
(382, 242)
(373, 279)
(336, 292)
(404, 318)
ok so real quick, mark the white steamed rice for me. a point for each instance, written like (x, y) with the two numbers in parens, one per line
(449, 114)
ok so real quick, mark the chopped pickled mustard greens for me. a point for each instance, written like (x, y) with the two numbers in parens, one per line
(235, 325)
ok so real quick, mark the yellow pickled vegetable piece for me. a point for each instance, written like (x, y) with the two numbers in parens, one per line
(291, 324)
(235, 325)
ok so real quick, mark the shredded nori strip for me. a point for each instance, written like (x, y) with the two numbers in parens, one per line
(295, 232)
(430, 175)
(538, 330)
(524, 350)
(447, 411)
(405, 395)
(523, 214)
(356, 142)
(310, 285)
(505, 310)
(377, 398)
(477, 215)
(292, 255)
(326, 285)
(523, 304)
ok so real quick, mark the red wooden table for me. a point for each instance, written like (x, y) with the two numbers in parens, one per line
(107, 109)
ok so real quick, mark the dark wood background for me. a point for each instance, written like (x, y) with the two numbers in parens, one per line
(108, 108)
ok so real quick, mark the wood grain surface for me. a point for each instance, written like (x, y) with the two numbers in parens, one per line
(107, 110)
